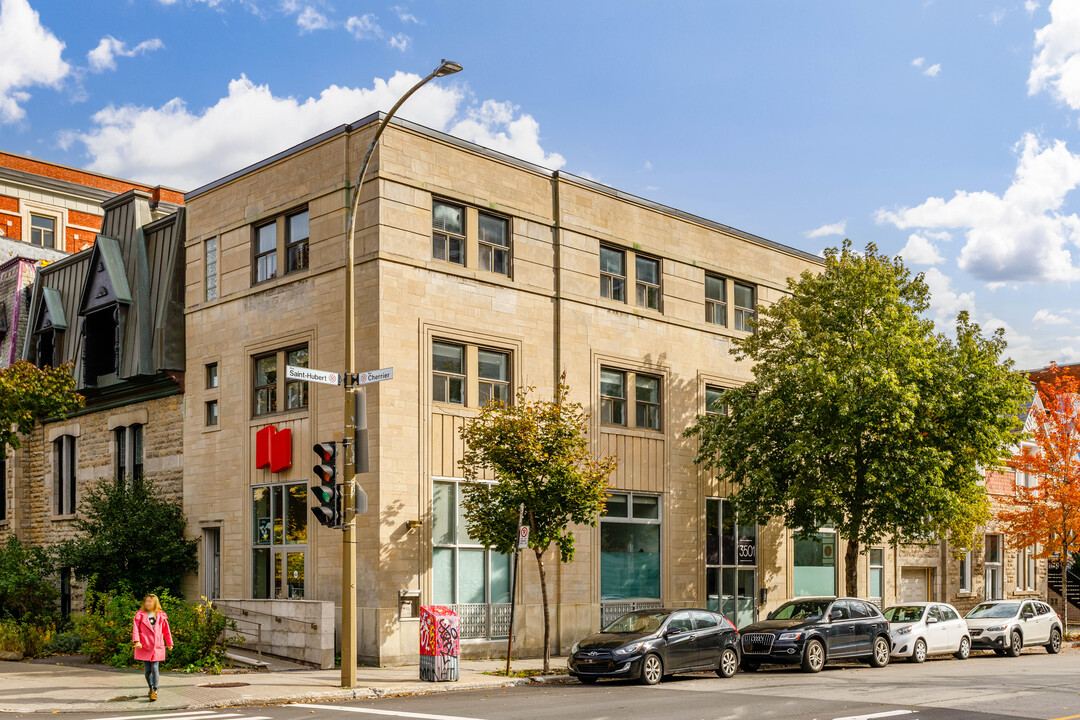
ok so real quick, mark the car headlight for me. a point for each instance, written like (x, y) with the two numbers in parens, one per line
(790, 636)
(574, 649)
(902, 631)
(629, 649)
(995, 628)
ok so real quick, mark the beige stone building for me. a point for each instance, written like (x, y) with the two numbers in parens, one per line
(477, 274)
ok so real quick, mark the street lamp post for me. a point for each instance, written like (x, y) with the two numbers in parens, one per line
(356, 405)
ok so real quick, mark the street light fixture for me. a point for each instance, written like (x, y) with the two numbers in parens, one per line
(356, 402)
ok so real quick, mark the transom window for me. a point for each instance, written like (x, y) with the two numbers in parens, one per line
(265, 252)
(744, 306)
(646, 398)
(494, 244)
(715, 300)
(612, 273)
(448, 236)
(448, 373)
(647, 276)
(269, 385)
(296, 241)
(43, 231)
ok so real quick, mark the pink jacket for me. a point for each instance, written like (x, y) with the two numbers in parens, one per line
(154, 638)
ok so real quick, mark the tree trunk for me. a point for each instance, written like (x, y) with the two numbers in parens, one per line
(547, 612)
(851, 569)
(1064, 586)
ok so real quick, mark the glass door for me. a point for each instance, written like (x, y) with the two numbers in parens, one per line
(730, 564)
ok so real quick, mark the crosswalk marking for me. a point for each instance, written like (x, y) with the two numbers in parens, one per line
(389, 713)
(192, 715)
(875, 716)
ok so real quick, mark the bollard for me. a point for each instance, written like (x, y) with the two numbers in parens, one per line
(439, 645)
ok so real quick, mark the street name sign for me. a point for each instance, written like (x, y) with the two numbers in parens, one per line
(374, 376)
(292, 372)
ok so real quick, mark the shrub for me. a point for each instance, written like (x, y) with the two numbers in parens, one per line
(36, 639)
(66, 643)
(27, 582)
(200, 632)
(10, 636)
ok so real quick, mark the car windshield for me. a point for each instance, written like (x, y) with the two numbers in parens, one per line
(801, 610)
(995, 610)
(637, 622)
(904, 613)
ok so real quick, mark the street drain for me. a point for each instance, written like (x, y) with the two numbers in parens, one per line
(224, 685)
(123, 698)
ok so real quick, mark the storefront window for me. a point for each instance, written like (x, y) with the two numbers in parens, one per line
(815, 565)
(730, 563)
(279, 520)
(630, 548)
(463, 570)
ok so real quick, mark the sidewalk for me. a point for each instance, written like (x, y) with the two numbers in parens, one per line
(31, 687)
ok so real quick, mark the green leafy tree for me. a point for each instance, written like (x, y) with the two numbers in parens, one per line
(860, 416)
(27, 582)
(538, 451)
(29, 393)
(130, 536)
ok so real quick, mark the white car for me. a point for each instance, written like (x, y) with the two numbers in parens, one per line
(926, 628)
(1009, 626)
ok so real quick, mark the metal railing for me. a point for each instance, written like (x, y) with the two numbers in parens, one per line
(483, 621)
(242, 617)
(612, 611)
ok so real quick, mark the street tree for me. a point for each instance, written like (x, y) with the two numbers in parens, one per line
(28, 394)
(859, 415)
(537, 450)
(1047, 516)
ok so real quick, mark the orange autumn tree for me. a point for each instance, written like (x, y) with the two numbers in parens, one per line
(1048, 515)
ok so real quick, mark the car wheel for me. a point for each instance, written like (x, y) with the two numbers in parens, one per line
(918, 654)
(585, 680)
(813, 658)
(1016, 644)
(965, 649)
(880, 658)
(729, 663)
(1054, 646)
(749, 666)
(652, 669)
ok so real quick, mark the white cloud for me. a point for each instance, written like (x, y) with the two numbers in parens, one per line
(174, 145)
(836, 228)
(933, 70)
(1031, 6)
(1056, 65)
(364, 27)
(405, 15)
(648, 165)
(1046, 317)
(918, 62)
(401, 42)
(103, 57)
(1020, 235)
(997, 16)
(30, 55)
(920, 251)
(945, 302)
(310, 20)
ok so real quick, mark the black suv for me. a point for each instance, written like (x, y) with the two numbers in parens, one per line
(812, 631)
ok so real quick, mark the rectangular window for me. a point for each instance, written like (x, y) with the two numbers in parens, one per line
(714, 401)
(612, 397)
(266, 384)
(279, 540)
(296, 391)
(494, 244)
(1026, 572)
(129, 452)
(211, 376)
(464, 571)
(715, 300)
(612, 274)
(647, 401)
(494, 374)
(211, 566)
(965, 571)
(815, 565)
(992, 566)
(211, 412)
(744, 306)
(730, 563)
(269, 384)
(64, 467)
(43, 231)
(210, 260)
(877, 574)
(3, 489)
(448, 373)
(448, 232)
(135, 432)
(296, 241)
(121, 453)
(647, 279)
(266, 252)
(630, 548)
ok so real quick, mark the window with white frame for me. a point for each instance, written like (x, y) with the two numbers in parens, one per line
(64, 468)
(993, 554)
(965, 572)
(43, 231)
(1026, 570)
(463, 570)
(630, 547)
(877, 574)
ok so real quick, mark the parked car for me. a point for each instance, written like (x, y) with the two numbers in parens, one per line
(924, 628)
(1009, 626)
(812, 631)
(650, 644)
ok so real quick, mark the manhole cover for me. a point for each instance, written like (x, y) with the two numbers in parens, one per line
(122, 698)
(225, 685)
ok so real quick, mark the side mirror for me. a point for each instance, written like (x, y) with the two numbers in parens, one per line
(931, 620)
(673, 631)
(1028, 615)
(836, 615)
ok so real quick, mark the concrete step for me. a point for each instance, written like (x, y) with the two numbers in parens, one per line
(244, 660)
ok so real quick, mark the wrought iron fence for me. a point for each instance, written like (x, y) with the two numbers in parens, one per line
(483, 621)
(612, 611)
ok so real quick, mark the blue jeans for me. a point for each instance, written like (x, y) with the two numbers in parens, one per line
(151, 673)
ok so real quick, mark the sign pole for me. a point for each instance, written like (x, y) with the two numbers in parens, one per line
(513, 589)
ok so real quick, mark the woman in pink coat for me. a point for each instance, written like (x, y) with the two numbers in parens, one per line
(151, 635)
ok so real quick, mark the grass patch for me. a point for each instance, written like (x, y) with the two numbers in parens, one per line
(527, 673)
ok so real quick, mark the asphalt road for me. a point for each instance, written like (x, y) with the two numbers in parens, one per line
(985, 687)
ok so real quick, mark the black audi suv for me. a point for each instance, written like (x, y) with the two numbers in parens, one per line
(649, 644)
(812, 631)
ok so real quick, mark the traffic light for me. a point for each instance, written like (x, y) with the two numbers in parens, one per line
(328, 511)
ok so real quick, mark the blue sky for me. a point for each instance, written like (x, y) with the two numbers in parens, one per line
(947, 130)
